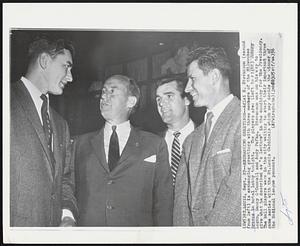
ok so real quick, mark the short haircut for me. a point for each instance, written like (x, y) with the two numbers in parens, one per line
(132, 88)
(181, 81)
(46, 45)
(209, 58)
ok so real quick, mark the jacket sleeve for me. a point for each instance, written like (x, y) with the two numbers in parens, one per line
(227, 206)
(68, 179)
(163, 188)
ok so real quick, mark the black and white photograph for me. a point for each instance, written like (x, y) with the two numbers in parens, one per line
(139, 128)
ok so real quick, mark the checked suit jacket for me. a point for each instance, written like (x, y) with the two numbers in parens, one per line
(215, 182)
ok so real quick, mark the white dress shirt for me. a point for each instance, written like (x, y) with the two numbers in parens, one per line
(184, 132)
(35, 94)
(123, 132)
(217, 110)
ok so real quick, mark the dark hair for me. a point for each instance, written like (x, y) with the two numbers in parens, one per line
(51, 47)
(210, 58)
(180, 79)
(132, 87)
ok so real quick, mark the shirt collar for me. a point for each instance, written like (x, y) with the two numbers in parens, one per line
(33, 90)
(186, 129)
(35, 94)
(124, 126)
(219, 107)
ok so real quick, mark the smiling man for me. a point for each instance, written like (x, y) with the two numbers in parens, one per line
(41, 188)
(208, 182)
(173, 107)
(123, 176)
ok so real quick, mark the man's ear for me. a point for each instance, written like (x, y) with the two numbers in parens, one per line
(43, 60)
(132, 100)
(215, 75)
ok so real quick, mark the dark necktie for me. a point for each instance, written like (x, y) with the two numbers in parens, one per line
(113, 153)
(207, 126)
(47, 127)
(175, 155)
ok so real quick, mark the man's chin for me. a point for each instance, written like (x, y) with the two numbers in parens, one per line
(197, 104)
(167, 120)
(58, 92)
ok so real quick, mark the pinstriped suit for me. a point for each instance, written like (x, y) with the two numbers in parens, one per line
(216, 181)
(37, 192)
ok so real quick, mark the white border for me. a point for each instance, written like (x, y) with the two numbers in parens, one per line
(279, 17)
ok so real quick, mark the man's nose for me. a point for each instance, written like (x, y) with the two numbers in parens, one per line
(188, 86)
(163, 102)
(69, 76)
(104, 95)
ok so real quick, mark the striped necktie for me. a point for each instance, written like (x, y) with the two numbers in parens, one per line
(175, 155)
(47, 127)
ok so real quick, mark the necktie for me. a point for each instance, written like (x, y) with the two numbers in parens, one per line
(175, 155)
(47, 127)
(113, 153)
(207, 126)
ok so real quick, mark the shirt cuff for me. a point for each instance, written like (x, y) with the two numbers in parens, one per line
(67, 213)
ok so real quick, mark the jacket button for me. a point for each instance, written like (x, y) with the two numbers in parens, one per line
(109, 182)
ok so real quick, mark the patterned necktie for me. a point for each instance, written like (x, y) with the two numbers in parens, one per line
(175, 155)
(47, 127)
(113, 153)
(207, 126)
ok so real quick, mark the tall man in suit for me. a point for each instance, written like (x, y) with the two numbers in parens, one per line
(208, 182)
(173, 107)
(123, 177)
(41, 187)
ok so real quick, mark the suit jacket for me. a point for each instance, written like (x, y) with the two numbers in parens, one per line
(215, 182)
(37, 192)
(136, 193)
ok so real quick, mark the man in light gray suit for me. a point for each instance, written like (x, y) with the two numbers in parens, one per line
(208, 181)
(41, 186)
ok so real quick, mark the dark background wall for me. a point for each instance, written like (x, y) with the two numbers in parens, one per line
(138, 54)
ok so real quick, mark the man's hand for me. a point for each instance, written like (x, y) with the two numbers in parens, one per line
(67, 222)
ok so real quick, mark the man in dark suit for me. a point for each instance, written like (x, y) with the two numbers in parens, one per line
(208, 182)
(41, 187)
(173, 107)
(123, 176)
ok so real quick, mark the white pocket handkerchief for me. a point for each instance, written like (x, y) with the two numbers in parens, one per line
(151, 158)
(223, 151)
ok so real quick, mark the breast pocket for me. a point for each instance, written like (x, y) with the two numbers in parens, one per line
(148, 172)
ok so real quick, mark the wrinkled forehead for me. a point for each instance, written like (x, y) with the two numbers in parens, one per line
(116, 83)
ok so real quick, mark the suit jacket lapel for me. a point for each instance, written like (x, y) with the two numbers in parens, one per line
(98, 144)
(195, 155)
(131, 150)
(32, 115)
(222, 120)
(57, 135)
